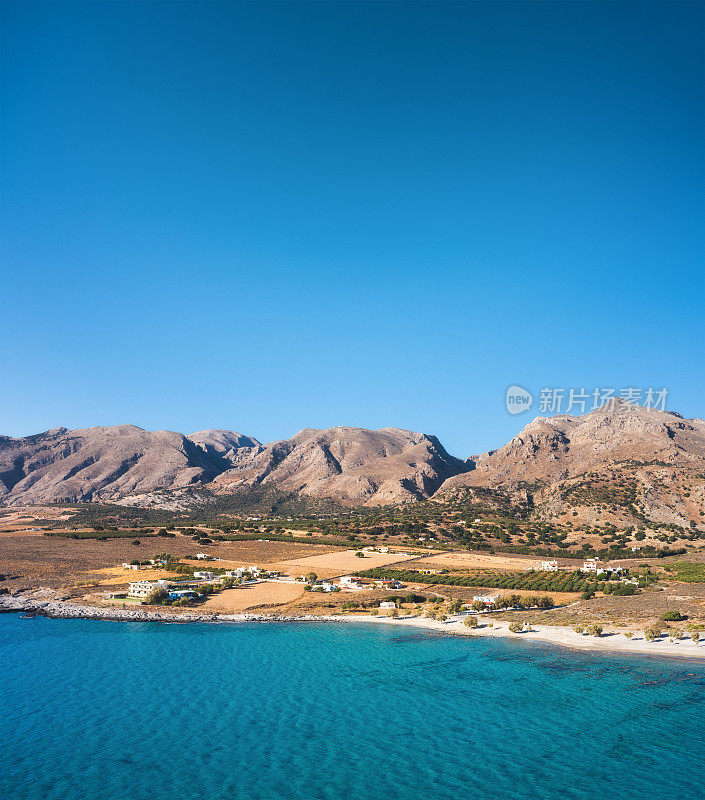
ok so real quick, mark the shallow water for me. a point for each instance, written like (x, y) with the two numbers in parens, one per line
(146, 711)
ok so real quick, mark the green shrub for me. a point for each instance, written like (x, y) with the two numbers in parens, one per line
(594, 629)
(516, 627)
(673, 616)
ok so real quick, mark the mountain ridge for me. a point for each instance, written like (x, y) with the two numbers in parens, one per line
(660, 453)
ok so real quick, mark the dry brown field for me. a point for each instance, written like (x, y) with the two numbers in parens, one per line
(30, 561)
(331, 565)
(464, 560)
(268, 594)
(20, 519)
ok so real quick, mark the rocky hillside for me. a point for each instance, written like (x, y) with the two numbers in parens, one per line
(621, 465)
(125, 463)
(352, 465)
(616, 464)
(108, 463)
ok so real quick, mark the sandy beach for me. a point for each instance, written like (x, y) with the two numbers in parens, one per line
(612, 641)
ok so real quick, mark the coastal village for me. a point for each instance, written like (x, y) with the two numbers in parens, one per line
(201, 574)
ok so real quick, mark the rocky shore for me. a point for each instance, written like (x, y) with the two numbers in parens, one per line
(36, 604)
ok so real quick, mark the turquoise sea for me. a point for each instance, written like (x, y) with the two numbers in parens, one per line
(145, 711)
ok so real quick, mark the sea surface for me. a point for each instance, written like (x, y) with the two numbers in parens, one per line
(97, 710)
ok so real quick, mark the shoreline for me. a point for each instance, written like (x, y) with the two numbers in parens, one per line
(611, 642)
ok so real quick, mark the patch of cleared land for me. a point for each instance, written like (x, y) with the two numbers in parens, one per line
(465, 560)
(118, 576)
(267, 593)
(30, 561)
(20, 520)
(330, 565)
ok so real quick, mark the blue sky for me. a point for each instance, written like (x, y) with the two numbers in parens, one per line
(266, 217)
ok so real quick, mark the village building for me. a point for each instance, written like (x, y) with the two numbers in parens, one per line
(141, 589)
(487, 599)
(549, 566)
(235, 573)
(387, 605)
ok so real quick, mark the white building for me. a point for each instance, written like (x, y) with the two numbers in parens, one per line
(349, 582)
(323, 586)
(140, 589)
(203, 556)
(387, 604)
(487, 599)
(203, 575)
(135, 566)
(235, 573)
(609, 570)
(549, 566)
(590, 565)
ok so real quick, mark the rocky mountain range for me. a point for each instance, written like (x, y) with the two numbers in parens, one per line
(620, 463)
(650, 462)
(351, 465)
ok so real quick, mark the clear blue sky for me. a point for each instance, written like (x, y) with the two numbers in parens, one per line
(265, 217)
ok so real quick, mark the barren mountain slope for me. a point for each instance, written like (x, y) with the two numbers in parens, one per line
(620, 464)
(100, 464)
(352, 465)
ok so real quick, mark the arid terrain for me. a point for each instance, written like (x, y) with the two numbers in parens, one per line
(279, 525)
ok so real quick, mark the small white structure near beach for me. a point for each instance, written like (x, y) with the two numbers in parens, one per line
(487, 599)
(387, 605)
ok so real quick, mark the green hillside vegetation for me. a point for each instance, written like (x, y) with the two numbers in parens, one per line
(687, 571)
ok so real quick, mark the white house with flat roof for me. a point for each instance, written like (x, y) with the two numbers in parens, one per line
(203, 575)
(387, 604)
(235, 573)
(487, 599)
(549, 566)
(140, 589)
